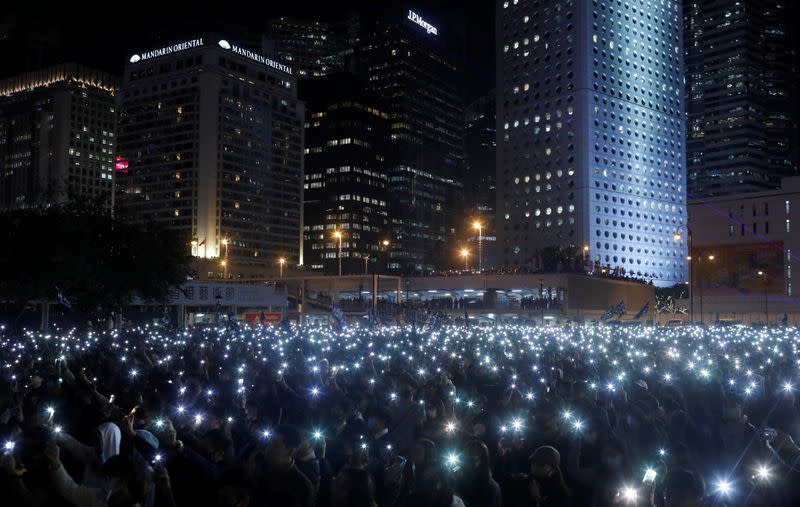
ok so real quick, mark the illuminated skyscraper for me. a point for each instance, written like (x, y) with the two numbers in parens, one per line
(590, 134)
(212, 138)
(57, 140)
(741, 90)
(408, 60)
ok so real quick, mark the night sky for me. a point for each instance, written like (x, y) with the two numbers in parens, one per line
(37, 33)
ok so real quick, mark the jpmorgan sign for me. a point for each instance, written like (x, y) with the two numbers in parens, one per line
(416, 18)
(254, 56)
(166, 50)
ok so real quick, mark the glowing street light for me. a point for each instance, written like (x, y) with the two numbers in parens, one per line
(465, 255)
(763, 276)
(678, 237)
(479, 226)
(338, 235)
(281, 262)
(225, 243)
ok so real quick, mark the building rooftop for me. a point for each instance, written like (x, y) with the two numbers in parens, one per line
(49, 76)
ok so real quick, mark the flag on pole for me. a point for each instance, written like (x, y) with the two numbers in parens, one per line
(609, 313)
(62, 298)
(642, 312)
(620, 310)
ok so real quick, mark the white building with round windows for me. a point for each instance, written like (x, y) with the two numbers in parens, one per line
(591, 138)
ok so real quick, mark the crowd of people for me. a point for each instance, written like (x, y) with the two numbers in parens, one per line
(385, 416)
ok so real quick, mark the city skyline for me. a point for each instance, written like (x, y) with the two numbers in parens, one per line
(441, 175)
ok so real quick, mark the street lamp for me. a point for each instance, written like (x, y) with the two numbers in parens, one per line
(710, 258)
(677, 237)
(224, 265)
(479, 226)
(225, 243)
(385, 251)
(281, 262)
(541, 297)
(465, 255)
(763, 275)
(338, 235)
(366, 260)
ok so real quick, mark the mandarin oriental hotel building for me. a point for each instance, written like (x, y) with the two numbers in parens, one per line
(590, 134)
(211, 146)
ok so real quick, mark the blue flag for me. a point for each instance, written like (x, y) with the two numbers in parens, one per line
(643, 311)
(62, 298)
(620, 310)
(609, 313)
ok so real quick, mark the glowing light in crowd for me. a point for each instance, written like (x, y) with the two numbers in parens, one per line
(723, 487)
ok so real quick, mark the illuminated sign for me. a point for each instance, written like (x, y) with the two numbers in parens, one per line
(121, 164)
(166, 50)
(255, 56)
(416, 18)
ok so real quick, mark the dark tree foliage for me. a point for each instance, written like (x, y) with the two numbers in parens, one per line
(97, 262)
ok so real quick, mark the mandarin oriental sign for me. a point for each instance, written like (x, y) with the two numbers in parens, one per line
(416, 18)
(167, 50)
(255, 56)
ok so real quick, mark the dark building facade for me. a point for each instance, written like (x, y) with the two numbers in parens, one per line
(346, 181)
(741, 90)
(57, 137)
(211, 138)
(312, 48)
(480, 188)
(405, 59)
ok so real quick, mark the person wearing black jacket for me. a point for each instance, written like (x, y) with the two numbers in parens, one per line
(478, 488)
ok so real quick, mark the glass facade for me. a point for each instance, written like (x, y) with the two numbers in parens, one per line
(741, 84)
(346, 181)
(422, 90)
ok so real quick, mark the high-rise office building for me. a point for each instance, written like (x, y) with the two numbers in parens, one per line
(211, 146)
(404, 58)
(57, 140)
(312, 48)
(346, 197)
(479, 179)
(590, 134)
(741, 72)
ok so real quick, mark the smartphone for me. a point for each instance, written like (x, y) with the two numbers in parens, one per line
(649, 476)
(769, 434)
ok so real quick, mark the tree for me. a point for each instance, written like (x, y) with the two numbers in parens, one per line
(96, 261)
